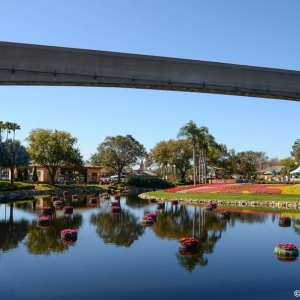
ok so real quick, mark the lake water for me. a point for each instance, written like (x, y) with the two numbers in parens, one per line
(115, 257)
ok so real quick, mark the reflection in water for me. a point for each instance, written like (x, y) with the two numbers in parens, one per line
(121, 229)
(12, 233)
(44, 241)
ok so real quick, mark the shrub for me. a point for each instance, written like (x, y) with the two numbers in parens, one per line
(153, 182)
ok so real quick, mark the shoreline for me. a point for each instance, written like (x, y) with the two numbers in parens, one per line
(236, 203)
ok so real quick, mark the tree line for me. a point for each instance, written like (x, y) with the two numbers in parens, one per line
(195, 151)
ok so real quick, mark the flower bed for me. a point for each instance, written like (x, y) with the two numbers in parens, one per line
(115, 209)
(146, 220)
(284, 221)
(225, 215)
(213, 204)
(93, 200)
(174, 202)
(117, 197)
(152, 200)
(105, 196)
(65, 193)
(115, 203)
(208, 207)
(188, 244)
(160, 205)
(286, 250)
(189, 253)
(68, 210)
(54, 198)
(47, 210)
(69, 234)
(152, 215)
(74, 197)
(43, 222)
(57, 203)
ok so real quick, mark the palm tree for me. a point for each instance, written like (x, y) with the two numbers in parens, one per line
(8, 127)
(1, 128)
(15, 127)
(206, 145)
(191, 131)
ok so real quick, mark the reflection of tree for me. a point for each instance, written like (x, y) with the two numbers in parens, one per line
(189, 262)
(11, 233)
(179, 222)
(296, 226)
(45, 241)
(247, 217)
(134, 202)
(121, 229)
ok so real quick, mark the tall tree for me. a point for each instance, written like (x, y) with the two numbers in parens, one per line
(118, 152)
(159, 155)
(35, 175)
(15, 127)
(181, 153)
(191, 131)
(53, 149)
(295, 153)
(15, 156)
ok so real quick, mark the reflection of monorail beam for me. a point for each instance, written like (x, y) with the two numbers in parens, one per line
(24, 64)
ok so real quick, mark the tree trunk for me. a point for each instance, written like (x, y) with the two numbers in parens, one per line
(12, 176)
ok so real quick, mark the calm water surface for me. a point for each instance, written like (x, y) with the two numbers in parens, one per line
(116, 258)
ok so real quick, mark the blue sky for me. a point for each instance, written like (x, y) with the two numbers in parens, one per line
(257, 33)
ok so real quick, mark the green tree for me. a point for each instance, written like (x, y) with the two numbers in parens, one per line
(181, 154)
(288, 166)
(53, 149)
(19, 175)
(191, 131)
(295, 153)
(15, 156)
(15, 127)
(34, 175)
(159, 156)
(118, 152)
(247, 162)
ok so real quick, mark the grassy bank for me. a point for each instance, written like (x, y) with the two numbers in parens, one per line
(228, 197)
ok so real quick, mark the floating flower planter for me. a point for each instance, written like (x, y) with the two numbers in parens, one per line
(213, 204)
(115, 209)
(284, 221)
(47, 211)
(74, 197)
(208, 207)
(65, 193)
(117, 197)
(93, 200)
(286, 252)
(174, 202)
(152, 200)
(188, 253)
(114, 203)
(161, 205)
(54, 198)
(152, 215)
(146, 220)
(69, 234)
(225, 215)
(188, 244)
(43, 222)
(68, 210)
(105, 196)
(57, 204)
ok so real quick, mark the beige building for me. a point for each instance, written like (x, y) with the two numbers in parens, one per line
(67, 174)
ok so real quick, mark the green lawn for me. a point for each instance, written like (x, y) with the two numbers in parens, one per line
(208, 196)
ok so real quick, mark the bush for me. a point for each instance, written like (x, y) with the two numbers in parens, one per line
(153, 182)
